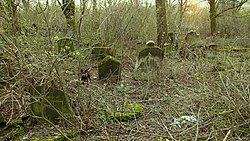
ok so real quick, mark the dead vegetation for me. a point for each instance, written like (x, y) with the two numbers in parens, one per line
(208, 83)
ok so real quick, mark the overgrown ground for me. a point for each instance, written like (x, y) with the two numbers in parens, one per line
(213, 87)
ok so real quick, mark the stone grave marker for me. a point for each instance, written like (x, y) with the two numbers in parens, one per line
(65, 45)
(173, 40)
(101, 52)
(150, 43)
(154, 51)
(49, 103)
(192, 37)
(109, 69)
(148, 63)
(171, 47)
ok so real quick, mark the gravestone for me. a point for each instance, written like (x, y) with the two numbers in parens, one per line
(171, 47)
(192, 38)
(148, 63)
(173, 40)
(101, 52)
(65, 45)
(154, 51)
(49, 103)
(109, 69)
(150, 43)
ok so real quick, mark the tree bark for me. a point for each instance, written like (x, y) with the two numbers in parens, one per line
(68, 8)
(161, 22)
(182, 9)
(212, 12)
(94, 6)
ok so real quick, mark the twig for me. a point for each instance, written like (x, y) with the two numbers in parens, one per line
(227, 135)
(166, 128)
(197, 127)
(53, 126)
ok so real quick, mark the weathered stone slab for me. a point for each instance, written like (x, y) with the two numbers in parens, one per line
(154, 51)
(109, 69)
(101, 52)
(192, 38)
(150, 43)
(65, 45)
(170, 48)
(148, 63)
(173, 40)
(49, 103)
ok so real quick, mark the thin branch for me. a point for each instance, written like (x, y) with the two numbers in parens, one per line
(230, 8)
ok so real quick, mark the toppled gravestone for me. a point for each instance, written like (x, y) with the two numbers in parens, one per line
(109, 69)
(128, 112)
(49, 103)
(65, 45)
(148, 63)
(101, 52)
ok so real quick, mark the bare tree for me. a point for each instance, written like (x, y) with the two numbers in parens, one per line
(94, 2)
(68, 7)
(182, 9)
(161, 22)
(213, 6)
(9, 12)
(83, 7)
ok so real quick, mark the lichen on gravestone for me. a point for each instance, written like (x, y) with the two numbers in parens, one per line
(109, 69)
(49, 102)
(148, 63)
(154, 51)
(127, 112)
(192, 38)
(101, 52)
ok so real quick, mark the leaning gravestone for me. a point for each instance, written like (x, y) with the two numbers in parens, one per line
(48, 102)
(109, 69)
(148, 63)
(65, 45)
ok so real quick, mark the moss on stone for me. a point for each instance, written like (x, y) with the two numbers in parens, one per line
(130, 112)
(154, 51)
(109, 68)
(49, 102)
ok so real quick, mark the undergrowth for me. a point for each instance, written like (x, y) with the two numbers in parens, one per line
(216, 90)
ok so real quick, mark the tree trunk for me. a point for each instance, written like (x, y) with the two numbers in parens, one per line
(161, 22)
(212, 11)
(182, 9)
(94, 6)
(68, 8)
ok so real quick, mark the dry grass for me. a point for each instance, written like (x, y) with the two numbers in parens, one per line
(215, 90)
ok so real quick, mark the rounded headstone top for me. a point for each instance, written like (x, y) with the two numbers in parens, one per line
(150, 43)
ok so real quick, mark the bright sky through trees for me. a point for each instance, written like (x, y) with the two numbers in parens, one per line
(200, 3)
